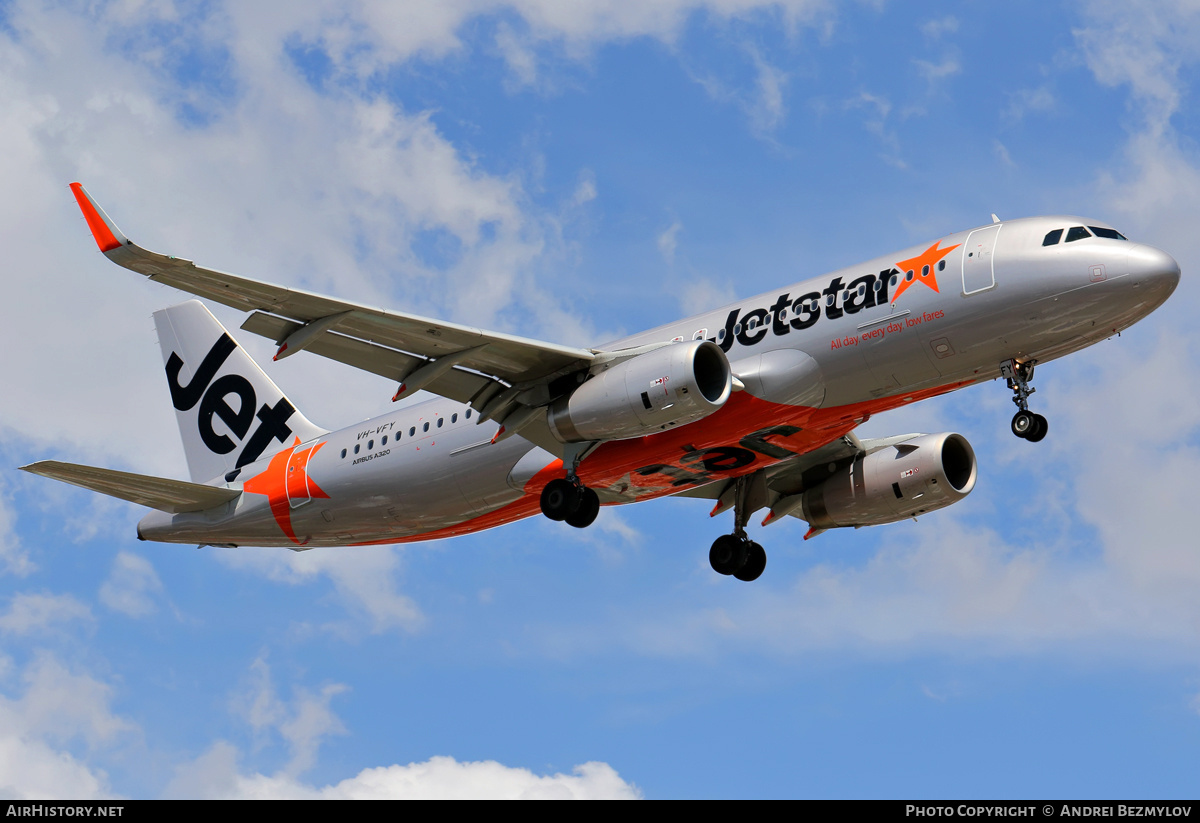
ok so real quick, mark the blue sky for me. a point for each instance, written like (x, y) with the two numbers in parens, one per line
(573, 171)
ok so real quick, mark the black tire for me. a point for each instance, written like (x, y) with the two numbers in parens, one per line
(1040, 427)
(1023, 423)
(560, 499)
(728, 554)
(585, 515)
(756, 561)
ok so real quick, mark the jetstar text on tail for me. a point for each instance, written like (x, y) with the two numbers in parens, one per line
(211, 395)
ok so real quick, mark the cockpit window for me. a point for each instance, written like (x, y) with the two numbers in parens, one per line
(1111, 234)
(1077, 233)
(1053, 237)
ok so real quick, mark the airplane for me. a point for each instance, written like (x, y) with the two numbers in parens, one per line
(752, 406)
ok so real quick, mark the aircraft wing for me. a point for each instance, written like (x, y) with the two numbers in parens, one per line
(460, 362)
(156, 492)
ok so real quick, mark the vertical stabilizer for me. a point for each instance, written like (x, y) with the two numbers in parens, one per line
(230, 413)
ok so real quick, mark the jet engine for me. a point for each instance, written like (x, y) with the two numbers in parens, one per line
(670, 386)
(901, 480)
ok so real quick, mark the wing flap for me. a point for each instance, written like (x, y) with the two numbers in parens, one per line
(160, 493)
(456, 384)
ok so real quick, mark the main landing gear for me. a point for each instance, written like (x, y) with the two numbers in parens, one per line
(1025, 424)
(736, 554)
(570, 501)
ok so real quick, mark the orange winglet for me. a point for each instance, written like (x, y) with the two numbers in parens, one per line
(105, 239)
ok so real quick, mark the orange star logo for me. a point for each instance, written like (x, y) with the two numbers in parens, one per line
(285, 482)
(921, 269)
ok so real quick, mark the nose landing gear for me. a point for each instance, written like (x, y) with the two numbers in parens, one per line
(1025, 424)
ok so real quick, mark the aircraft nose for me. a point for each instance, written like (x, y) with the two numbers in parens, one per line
(1154, 267)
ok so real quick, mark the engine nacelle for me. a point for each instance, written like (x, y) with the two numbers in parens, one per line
(663, 388)
(898, 481)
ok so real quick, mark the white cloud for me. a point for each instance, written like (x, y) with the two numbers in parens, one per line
(701, 294)
(215, 775)
(933, 72)
(934, 29)
(1002, 154)
(58, 707)
(585, 192)
(668, 241)
(1023, 101)
(363, 577)
(303, 722)
(28, 613)
(131, 587)
(13, 557)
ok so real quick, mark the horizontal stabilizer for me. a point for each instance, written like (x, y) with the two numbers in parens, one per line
(156, 492)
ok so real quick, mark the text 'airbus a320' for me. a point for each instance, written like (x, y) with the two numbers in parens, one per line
(752, 405)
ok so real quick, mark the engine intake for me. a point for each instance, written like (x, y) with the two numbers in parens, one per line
(903, 480)
(655, 391)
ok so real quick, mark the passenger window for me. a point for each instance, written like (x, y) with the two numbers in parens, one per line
(941, 265)
(925, 271)
(895, 280)
(737, 329)
(412, 431)
(1077, 233)
(370, 445)
(468, 414)
(384, 440)
(752, 325)
(908, 275)
(720, 337)
(441, 420)
(356, 448)
(454, 417)
(862, 289)
(1111, 234)
(1053, 237)
(343, 454)
(425, 428)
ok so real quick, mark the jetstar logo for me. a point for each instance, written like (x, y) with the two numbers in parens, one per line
(836, 300)
(922, 268)
(212, 396)
(286, 483)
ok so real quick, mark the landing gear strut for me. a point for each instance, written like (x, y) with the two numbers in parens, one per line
(1025, 424)
(736, 554)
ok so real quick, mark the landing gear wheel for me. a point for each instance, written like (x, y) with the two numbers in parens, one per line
(756, 561)
(1040, 427)
(589, 507)
(1024, 423)
(560, 499)
(728, 554)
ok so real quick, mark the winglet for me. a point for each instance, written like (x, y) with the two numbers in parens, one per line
(108, 236)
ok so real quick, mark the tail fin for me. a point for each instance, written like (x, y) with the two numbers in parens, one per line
(230, 413)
